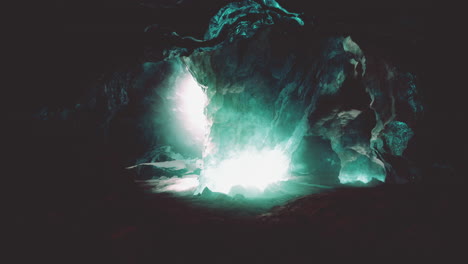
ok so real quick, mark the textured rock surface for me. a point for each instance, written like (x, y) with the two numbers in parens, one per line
(277, 91)
(73, 202)
(272, 78)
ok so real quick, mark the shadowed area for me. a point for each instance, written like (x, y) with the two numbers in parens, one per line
(253, 131)
(385, 221)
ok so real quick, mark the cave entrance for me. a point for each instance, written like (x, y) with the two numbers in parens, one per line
(247, 171)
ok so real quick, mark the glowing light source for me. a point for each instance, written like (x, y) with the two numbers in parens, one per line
(174, 184)
(248, 169)
(191, 101)
(252, 169)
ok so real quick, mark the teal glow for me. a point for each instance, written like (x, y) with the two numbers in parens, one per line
(362, 169)
(359, 177)
(397, 135)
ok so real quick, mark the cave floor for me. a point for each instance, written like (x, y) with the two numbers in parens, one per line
(420, 221)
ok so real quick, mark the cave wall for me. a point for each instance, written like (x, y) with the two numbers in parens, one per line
(309, 83)
(71, 54)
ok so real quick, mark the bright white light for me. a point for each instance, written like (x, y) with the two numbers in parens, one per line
(186, 183)
(191, 101)
(249, 169)
(174, 184)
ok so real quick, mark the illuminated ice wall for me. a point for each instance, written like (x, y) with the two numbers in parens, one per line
(262, 85)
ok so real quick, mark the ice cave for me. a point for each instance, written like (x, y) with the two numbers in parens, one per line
(247, 101)
(238, 131)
